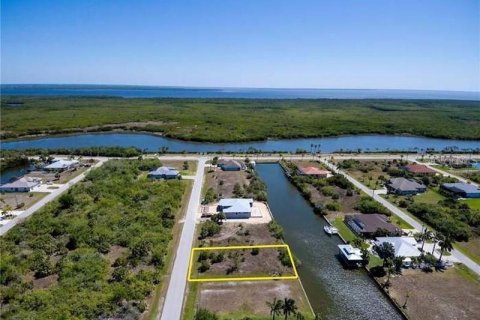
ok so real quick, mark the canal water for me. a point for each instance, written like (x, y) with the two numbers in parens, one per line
(333, 291)
(153, 143)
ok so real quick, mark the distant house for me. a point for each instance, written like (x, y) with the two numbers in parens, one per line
(462, 190)
(404, 246)
(312, 172)
(420, 169)
(231, 165)
(21, 185)
(59, 165)
(236, 208)
(367, 224)
(349, 255)
(404, 187)
(163, 173)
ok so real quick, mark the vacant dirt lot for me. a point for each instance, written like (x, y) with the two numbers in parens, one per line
(237, 234)
(223, 182)
(238, 299)
(453, 294)
(249, 298)
(20, 200)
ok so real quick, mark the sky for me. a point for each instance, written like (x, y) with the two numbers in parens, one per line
(362, 44)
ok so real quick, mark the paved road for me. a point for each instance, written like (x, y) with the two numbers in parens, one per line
(414, 223)
(172, 309)
(27, 213)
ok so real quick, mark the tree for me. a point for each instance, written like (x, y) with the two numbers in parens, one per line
(289, 307)
(66, 201)
(425, 236)
(186, 166)
(215, 160)
(446, 244)
(276, 307)
(386, 251)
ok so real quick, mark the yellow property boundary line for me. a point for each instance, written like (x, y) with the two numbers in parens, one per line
(192, 254)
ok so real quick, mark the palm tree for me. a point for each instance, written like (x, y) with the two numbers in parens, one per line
(426, 235)
(446, 244)
(289, 307)
(275, 307)
(436, 238)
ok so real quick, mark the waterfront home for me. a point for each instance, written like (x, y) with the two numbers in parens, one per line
(404, 246)
(404, 187)
(368, 225)
(420, 170)
(235, 208)
(312, 172)
(163, 173)
(59, 165)
(461, 190)
(231, 165)
(350, 256)
(23, 184)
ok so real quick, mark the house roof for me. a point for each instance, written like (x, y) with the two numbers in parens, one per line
(419, 168)
(230, 163)
(21, 183)
(461, 187)
(312, 171)
(404, 184)
(164, 171)
(61, 164)
(231, 205)
(351, 253)
(404, 246)
(369, 223)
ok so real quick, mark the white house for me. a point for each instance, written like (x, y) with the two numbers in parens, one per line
(235, 208)
(61, 165)
(21, 185)
(405, 247)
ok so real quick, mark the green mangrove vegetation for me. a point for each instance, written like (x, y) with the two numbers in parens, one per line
(222, 120)
(95, 253)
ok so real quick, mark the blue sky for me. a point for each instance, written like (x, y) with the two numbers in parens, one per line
(407, 44)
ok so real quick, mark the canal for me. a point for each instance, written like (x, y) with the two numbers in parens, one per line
(334, 292)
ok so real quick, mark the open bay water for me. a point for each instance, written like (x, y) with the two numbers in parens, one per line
(247, 93)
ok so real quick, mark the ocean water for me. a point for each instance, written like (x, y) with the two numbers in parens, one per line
(246, 93)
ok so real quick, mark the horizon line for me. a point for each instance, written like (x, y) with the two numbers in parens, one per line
(228, 87)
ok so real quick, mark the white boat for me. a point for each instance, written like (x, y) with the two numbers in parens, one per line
(330, 230)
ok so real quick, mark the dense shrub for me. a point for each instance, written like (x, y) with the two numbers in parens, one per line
(111, 207)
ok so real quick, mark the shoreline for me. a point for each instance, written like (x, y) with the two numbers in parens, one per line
(79, 132)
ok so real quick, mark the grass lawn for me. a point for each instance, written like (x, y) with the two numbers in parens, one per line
(344, 231)
(430, 196)
(471, 249)
(402, 224)
(374, 261)
(473, 203)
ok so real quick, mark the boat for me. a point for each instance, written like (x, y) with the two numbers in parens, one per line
(330, 230)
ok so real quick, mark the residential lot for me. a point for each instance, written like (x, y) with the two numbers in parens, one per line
(19, 200)
(186, 167)
(452, 294)
(223, 182)
(234, 299)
